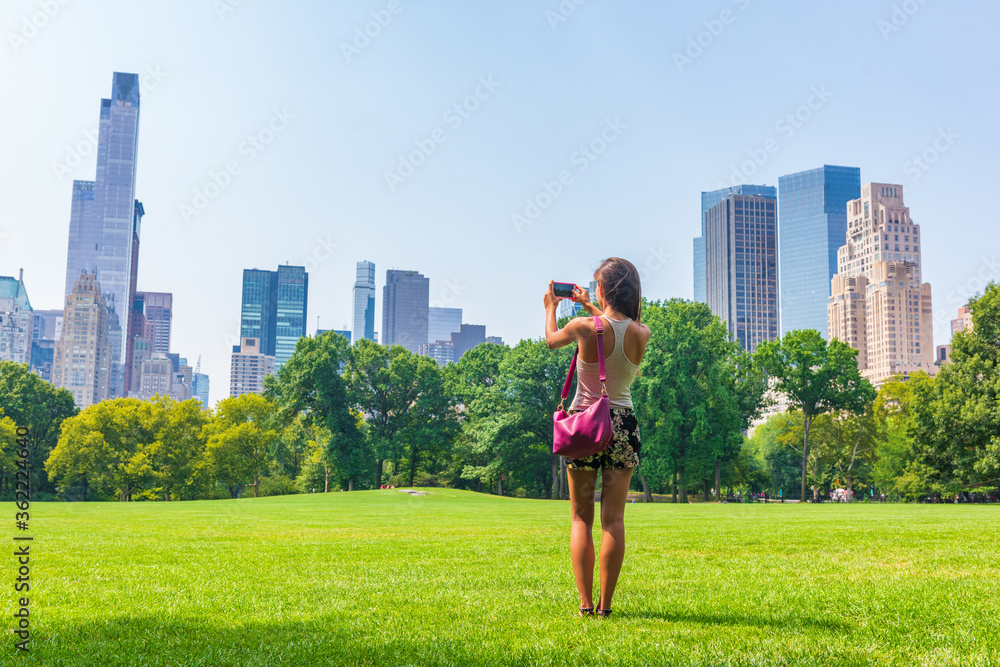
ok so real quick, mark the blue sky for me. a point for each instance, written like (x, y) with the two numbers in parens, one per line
(886, 81)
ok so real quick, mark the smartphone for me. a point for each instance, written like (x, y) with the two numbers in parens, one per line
(564, 290)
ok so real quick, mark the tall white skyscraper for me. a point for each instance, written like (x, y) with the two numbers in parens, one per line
(364, 302)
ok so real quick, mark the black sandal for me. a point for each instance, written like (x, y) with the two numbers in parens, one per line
(586, 611)
(604, 612)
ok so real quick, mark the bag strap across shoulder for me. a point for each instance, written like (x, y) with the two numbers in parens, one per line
(600, 362)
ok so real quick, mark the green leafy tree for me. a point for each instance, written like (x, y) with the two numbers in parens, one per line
(956, 416)
(178, 455)
(109, 446)
(433, 423)
(383, 384)
(8, 447)
(311, 385)
(240, 441)
(695, 394)
(474, 383)
(30, 401)
(817, 378)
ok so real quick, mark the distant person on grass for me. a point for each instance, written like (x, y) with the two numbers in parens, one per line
(618, 296)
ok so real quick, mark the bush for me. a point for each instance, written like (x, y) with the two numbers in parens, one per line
(276, 485)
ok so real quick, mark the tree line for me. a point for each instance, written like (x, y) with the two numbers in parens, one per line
(351, 417)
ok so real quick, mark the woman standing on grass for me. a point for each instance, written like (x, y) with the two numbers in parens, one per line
(618, 296)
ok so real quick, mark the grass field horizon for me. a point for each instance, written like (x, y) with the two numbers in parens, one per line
(457, 577)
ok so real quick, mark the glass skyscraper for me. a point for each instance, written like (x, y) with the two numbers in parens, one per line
(105, 216)
(708, 200)
(442, 323)
(274, 309)
(405, 301)
(741, 269)
(812, 225)
(290, 325)
(364, 302)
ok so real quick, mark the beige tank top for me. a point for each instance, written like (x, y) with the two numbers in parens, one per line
(620, 371)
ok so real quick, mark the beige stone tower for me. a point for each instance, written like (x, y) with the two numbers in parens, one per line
(82, 358)
(879, 304)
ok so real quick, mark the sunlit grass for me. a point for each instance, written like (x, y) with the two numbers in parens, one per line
(454, 578)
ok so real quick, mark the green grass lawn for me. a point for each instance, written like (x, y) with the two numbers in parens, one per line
(456, 578)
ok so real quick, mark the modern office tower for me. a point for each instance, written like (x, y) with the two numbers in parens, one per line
(405, 300)
(442, 322)
(364, 302)
(443, 352)
(963, 322)
(105, 216)
(142, 349)
(45, 332)
(274, 309)
(249, 368)
(159, 307)
(496, 340)
(882, 256)
(199, 388)
(470, 336)
(741, 270)
(17, 321)
(293, 297)
(82, 361)
(258, 318)
(699, 269)
(708, 200)
(812, 224)
(346, 333)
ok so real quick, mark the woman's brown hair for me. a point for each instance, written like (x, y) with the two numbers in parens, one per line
(620, 285)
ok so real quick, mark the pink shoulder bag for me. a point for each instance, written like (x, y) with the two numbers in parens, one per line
(589, 431)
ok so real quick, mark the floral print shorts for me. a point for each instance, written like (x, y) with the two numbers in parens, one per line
(623, 452)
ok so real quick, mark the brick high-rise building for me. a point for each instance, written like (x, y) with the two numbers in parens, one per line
(963, 322)
(878, 303)
(82, 361)
(249, 367)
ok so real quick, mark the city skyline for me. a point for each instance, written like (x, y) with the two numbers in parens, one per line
(315, 193)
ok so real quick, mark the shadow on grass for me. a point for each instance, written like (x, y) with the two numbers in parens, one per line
(745, 620)
(196, 642)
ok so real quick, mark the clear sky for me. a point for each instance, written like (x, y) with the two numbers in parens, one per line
(666, 117)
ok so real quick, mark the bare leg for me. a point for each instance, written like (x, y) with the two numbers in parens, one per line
(581, 539)
(614, 493)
